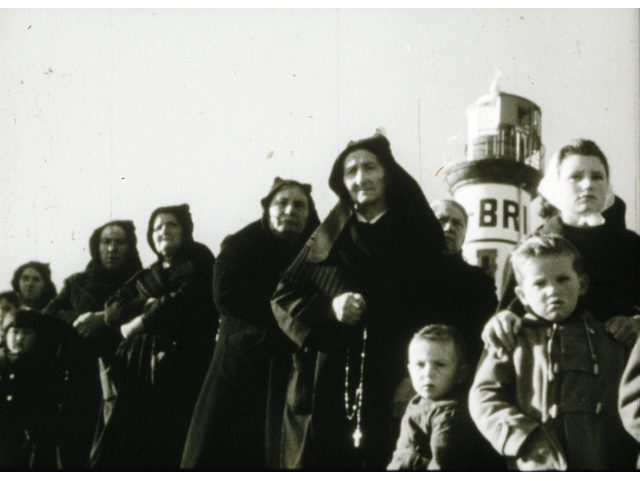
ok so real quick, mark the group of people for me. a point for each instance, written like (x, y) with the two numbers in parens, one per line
(290, 349)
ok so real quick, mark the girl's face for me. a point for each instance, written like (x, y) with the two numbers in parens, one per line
(31, 285)
(583, 184)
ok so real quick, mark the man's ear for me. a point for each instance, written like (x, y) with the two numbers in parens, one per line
(584, 283)
(520, 294)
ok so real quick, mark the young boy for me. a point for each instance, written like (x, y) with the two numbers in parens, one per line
(29, 392)
(551, 404)
(436, 427)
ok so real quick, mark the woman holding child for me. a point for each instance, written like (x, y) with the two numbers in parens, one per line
(577, 184)
(350, 302)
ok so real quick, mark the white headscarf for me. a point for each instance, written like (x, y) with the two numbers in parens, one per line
(549, 188)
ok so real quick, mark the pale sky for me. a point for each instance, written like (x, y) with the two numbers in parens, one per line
(107, 114)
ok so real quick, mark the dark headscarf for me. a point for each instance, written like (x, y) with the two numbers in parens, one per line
(182, 215)
(48, 292)
(131, 265)
(403, 193)
(278, 184)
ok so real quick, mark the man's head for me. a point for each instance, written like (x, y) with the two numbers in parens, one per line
(437, 361)
(453, 219)
(549, 275)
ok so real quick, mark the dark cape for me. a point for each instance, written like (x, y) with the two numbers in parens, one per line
(610, 257)
(156, 374)
(237, 418)
(395, 264)
(84, 292)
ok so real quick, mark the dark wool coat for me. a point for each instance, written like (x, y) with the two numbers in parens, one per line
(228, 426)
(84, 292)
(30, 395)
(157, 373)
(466, 298)
(610, 257)
(394, 264)
(560, 387)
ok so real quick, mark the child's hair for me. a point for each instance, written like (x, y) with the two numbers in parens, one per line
(11, 297)
(440, 332)
(540, 246)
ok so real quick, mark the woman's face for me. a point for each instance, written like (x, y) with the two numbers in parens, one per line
(364, 178)
(583, 184)
(31, 285)
(167, 234)
(288, 212)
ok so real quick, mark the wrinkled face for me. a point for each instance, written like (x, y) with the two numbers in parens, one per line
(113, 247)
(550, 286)
(364, 178)
(434, 367)
(583, 184)
(167, 234)
(288, 212)
(31, 285)
(20, 341)
(453, 225)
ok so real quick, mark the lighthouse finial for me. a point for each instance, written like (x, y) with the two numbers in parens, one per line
(494, 89)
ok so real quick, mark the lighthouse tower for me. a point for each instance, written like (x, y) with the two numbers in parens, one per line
(498, 177)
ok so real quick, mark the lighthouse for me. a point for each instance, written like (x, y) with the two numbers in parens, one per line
(498, 177)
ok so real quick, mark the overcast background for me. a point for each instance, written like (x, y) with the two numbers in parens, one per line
(107, 114)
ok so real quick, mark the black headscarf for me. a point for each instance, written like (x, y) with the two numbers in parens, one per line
(130, 266)
(48, 292)
(183, 216)
(403, 193)
(278, 184)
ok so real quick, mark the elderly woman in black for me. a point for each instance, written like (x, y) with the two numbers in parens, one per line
(361, 286)
(250, 365)
(167, 318)
(32, 283)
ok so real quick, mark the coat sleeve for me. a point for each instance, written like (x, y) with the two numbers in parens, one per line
(447, 438)
(492, 405)
(407, 455)
(61, 307)
(307, 318)
(629, 399)
(125, 304)
(185, 307)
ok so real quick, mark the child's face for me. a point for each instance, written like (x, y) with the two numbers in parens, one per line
(434, 368)
(20, 341)
(550, 286)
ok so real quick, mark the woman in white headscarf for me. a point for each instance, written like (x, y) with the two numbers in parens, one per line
(577, 184)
